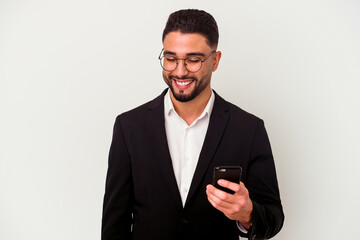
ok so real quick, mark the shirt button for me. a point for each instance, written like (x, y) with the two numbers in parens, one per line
(185, 190)
(187, 130)
(186, 159)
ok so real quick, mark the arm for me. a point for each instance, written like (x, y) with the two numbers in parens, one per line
(117, 208)
(258, 204)
(267, 215)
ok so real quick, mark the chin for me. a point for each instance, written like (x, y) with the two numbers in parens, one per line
(183, 97)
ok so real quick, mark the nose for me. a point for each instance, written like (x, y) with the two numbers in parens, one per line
(180, 69)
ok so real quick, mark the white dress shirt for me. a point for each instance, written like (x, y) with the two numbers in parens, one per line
(185, 142)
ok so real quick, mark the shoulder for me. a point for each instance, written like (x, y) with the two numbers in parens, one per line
(138, 114)
(242, 127)
(236, 113)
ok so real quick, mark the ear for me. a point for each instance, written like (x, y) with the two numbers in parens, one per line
(216, 60)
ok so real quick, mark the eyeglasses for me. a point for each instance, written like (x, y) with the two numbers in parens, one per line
(192, 64)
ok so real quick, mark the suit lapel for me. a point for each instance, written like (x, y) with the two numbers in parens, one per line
(156, 126)
(218, 120)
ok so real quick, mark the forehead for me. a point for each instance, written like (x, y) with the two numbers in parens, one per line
(184, 43)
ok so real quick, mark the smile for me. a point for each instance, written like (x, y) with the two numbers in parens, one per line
(182, 84)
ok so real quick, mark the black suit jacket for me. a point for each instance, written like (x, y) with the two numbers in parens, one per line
(142, 200)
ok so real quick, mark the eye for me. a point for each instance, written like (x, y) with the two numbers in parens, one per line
(170, 59)
(193, 60)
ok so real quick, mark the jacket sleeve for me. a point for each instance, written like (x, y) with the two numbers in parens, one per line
(261, 181)
(117, 207)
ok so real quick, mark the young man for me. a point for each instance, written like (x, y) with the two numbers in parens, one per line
(163, 153)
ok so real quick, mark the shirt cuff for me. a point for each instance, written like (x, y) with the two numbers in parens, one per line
(241, 227)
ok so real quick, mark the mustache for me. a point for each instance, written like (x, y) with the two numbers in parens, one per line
(182, 78)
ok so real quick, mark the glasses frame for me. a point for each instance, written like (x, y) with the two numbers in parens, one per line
(161, 57)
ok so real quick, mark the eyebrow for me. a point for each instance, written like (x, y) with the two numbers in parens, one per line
(188, 54)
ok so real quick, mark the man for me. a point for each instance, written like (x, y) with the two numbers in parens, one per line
(163, 153)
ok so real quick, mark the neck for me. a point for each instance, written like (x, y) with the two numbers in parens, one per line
(191, 110)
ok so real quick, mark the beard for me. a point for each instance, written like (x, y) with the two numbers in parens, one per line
(180, 96)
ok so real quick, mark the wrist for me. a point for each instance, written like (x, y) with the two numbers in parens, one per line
(247, 221)
(246, 225)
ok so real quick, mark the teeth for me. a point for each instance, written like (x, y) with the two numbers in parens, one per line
(183, 83)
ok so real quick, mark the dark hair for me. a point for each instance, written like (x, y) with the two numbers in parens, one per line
(193, 21)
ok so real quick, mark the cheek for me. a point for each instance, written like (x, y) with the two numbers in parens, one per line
(165, 76)
(206, 69)
(204, 76)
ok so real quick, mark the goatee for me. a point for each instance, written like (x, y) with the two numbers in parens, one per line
(181, 97)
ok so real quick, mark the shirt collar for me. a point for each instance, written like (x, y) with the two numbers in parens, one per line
(169, 107)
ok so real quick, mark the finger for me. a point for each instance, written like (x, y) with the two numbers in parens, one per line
(237, 188)
(230, 185)
(224, 196)
(217, 202)
(215, 205)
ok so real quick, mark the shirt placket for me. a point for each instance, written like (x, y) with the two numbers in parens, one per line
(185, 178)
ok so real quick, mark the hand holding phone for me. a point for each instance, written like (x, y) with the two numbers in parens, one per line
(229, 173)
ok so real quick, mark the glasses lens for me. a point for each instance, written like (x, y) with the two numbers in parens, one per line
(193, 64)
(168, 63)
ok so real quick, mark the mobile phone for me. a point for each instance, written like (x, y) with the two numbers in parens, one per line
(230, 173)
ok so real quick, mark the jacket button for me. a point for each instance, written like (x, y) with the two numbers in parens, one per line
(184, 221)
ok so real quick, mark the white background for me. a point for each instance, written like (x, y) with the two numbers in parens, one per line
(68, 68)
